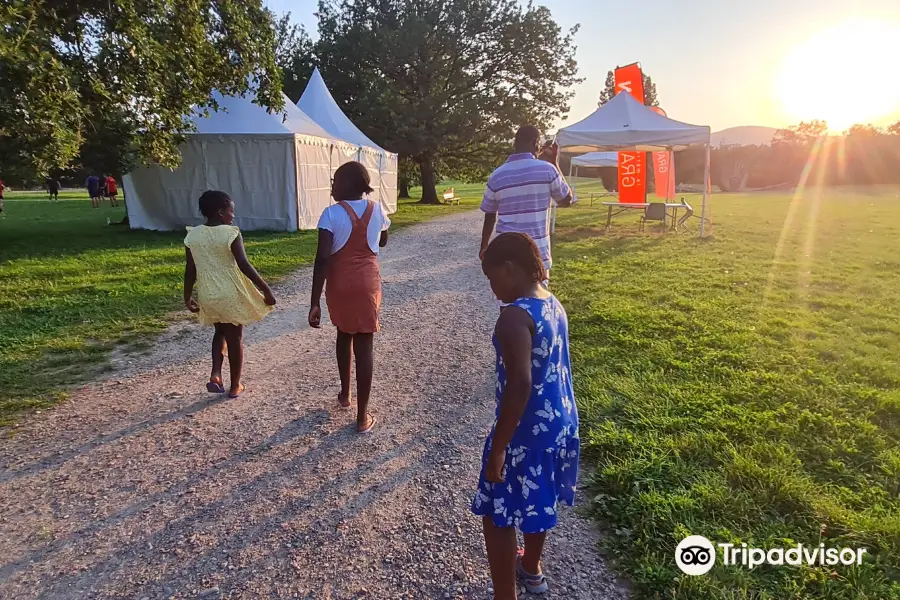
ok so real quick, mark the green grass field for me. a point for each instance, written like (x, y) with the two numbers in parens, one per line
(72, 288)
(744, 387)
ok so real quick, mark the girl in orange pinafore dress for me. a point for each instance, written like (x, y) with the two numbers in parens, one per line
(350, 234)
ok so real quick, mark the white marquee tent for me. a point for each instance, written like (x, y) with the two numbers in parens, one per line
(625, 124)
(319, 104)
(276, 166)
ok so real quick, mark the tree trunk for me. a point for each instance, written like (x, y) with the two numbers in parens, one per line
(429, 192)
(404, 188)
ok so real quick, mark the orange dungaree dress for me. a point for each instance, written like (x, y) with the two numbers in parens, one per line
(353, 279)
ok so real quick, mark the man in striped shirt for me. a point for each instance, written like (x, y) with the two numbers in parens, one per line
(520, 192)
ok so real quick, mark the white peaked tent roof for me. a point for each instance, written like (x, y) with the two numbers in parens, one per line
(597, 159)
(623, 123)
(239, 115)
(318, 103)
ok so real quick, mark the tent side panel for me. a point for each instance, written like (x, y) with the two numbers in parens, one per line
(166, 200)
(257, 173)
(388, 182)
(372, 161)
(314, 170)
(342, 153)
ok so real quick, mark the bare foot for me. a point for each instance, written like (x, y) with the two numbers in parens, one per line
(344, 400)
(236, 390)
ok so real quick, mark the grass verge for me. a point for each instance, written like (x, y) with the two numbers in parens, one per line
(72, 288)
(742, 387)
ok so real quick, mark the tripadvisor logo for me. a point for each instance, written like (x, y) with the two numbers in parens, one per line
(696, 555)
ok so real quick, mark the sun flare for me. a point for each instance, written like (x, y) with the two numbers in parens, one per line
(844, 75)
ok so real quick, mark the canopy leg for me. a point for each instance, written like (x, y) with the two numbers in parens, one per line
(706, 192)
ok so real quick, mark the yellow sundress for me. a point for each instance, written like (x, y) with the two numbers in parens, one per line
(224, 294)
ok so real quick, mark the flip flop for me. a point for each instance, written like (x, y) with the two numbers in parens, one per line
(342, 405)
(240, 391)
(214, 387)
(370, 426)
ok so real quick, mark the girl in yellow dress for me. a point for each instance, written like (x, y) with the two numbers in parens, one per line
(230, 293)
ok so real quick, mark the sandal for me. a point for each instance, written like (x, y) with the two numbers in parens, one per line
(534, 584)
(341, 403)
(215, 387)
(369, 424)
(240, 391)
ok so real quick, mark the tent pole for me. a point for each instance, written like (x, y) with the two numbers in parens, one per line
(706, 191)
(553, 205)
(574, 180)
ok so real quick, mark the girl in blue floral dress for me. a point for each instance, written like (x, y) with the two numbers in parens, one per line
(530, 460)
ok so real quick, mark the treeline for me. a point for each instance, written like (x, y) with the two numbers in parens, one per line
(23, 179)
(863, 155)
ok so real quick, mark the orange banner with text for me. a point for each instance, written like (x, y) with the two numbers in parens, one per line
(632, 165)
(664, 170)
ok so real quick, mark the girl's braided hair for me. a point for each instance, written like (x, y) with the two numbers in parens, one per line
(519, 249)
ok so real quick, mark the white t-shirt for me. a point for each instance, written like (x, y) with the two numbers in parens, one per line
(336, 220)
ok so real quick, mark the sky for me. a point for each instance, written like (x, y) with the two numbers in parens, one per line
(726, 63)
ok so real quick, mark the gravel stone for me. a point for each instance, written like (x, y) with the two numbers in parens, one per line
(145, 485)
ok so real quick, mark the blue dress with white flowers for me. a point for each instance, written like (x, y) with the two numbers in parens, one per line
(541, 467)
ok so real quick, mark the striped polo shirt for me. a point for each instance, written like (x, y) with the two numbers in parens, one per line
(520, 193)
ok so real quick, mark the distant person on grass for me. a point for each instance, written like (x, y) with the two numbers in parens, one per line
(230, 293)
(112, 192)
(92, 183)
(350, 234)
(2, 187)
(530, 459)
(519, 193)
(52, 190)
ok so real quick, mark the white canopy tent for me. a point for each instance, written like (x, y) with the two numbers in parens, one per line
(319, 104)
(276, 166)
(591, 159)
(625, 124)
(596, 159)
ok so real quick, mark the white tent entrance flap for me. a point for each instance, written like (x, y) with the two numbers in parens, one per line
(319, 104)
(623, 123)
(276, 167)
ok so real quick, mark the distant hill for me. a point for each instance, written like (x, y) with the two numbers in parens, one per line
(749, 135)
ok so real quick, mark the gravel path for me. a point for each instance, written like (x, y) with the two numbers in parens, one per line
(146, 487)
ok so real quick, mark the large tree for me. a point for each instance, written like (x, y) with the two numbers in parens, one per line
(111, 75)
(609, 90)
(293, 55)
(444, 82)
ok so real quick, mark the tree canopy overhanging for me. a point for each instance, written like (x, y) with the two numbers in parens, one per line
(122, 75)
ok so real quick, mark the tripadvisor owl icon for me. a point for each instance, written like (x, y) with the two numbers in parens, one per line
(695, 555)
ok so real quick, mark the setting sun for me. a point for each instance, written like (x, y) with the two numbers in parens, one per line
(844, 75)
